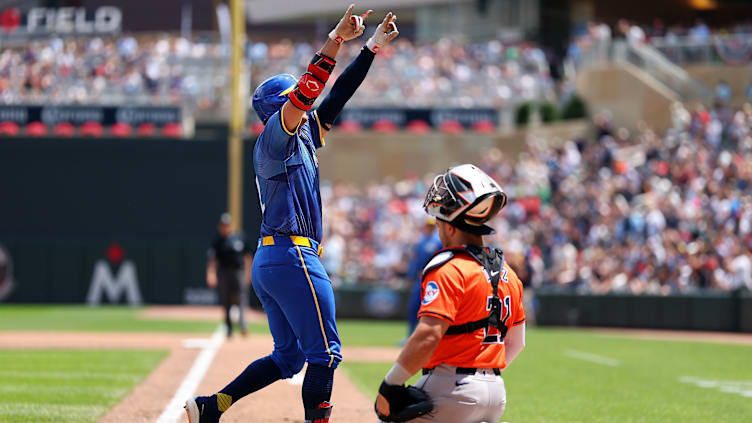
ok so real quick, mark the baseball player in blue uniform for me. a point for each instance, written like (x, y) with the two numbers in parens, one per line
(423, 250)
(287, 275)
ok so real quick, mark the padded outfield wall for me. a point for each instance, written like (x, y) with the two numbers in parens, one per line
(78, 212)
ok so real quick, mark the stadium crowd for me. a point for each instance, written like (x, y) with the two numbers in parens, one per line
(638, 213)
(445, 73)
(150, 69)
(173, 70)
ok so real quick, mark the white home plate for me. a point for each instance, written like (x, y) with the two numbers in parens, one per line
(737, 387)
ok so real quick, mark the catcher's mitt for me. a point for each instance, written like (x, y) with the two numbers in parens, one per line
(405, 403)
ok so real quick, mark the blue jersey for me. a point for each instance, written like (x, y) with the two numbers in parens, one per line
(287, 178)
(423, 250)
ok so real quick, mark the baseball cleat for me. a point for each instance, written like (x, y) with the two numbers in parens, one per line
(199, 410)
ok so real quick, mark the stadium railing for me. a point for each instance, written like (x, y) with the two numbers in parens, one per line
(719, 49)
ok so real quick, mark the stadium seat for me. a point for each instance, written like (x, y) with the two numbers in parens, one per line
(451, 127)
(9, 128)
(65, 129)
(484, 126)
(174, 130)
(120, 129)
(418, 127)
(146, 129)
(349, 126)
(36, 128)
(256, 128)
(92, 128)
(384, 126)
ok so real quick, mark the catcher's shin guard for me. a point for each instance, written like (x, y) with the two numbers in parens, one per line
(320, 414)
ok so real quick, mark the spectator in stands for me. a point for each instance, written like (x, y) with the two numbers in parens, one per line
(723, 92)
(173, 70)
(638, 213)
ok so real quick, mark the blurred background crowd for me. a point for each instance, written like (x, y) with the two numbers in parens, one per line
(620, 212)
(161, 70)
(157, 70)
(445, 73)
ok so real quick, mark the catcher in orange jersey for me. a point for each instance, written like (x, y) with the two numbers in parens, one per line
(472, 323)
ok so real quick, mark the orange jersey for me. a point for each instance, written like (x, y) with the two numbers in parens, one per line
(459, 291)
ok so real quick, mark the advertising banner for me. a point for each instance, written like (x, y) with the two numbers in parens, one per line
(76, 115)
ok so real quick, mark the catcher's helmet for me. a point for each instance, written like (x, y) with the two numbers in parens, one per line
(466, 197)
(272, 94)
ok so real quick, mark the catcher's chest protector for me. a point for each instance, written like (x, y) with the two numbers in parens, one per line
(492, 261)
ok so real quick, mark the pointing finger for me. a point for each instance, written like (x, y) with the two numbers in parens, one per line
(349, 11)
(367, 14)
(387, 18)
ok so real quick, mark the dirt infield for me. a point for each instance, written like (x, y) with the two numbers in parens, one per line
(281, 401)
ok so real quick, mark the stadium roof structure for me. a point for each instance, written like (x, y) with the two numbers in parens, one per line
(263, 11)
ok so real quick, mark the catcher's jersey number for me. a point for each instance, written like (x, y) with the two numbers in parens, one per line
(493, 335)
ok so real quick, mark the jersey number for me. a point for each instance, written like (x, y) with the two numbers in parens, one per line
(492, 335)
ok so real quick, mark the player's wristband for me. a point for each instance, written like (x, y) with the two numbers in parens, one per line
(372, 45)
(336, 38)
(397, 375)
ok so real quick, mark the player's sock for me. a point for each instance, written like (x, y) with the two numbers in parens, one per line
(317, 390)
(257, 375)
(228, 322)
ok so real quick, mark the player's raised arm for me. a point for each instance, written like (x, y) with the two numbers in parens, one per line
(311, 83)
(351, 78)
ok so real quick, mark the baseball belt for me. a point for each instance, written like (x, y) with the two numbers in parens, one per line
(289, 241)
(464, 371)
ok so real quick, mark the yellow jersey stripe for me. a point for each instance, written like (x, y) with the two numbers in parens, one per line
(321, 129)
(282, 122)
(318, 309)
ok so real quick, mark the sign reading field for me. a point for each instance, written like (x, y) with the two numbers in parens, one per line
(45, 21)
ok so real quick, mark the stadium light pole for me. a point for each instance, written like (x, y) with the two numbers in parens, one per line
(237, 116)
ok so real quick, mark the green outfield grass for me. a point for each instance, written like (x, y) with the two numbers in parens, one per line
(83, 318)
(577, 376)
(68, 385)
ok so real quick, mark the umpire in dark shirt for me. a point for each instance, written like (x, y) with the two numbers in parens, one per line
(229, 268)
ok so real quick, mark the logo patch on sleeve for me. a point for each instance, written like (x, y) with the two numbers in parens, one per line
(432, 292)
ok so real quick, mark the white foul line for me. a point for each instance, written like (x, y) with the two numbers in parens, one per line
(739, 387)
(174, 408)
(593, 358)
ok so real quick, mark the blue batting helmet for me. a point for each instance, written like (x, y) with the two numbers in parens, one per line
(272, 94)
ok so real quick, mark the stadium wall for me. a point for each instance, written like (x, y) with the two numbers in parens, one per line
(81, 209)
(739, 78)
(372, 156)
(708, 311)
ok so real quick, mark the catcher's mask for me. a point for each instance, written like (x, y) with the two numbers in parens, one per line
(465, 197)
